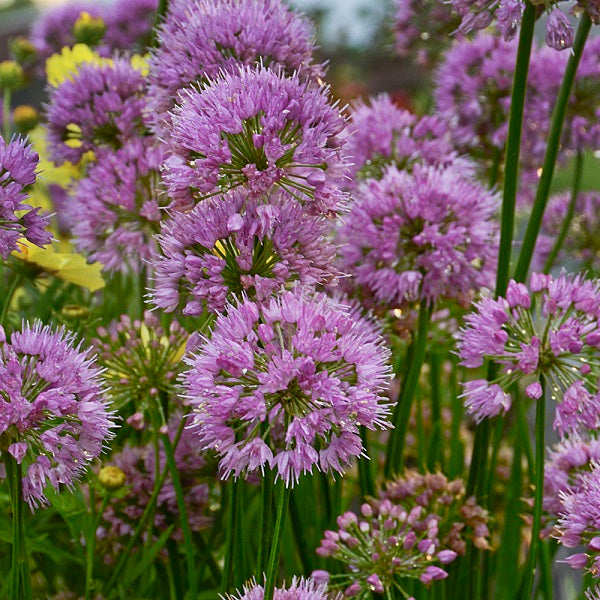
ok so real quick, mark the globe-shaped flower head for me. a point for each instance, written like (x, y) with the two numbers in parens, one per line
(231, 245)
(545, 334)
(299, 589)
(115, 211)
(286, 386)
(54, 418)
(200, 39)
(18, 163)
(100, 107)
(420, 235)
(258, 129)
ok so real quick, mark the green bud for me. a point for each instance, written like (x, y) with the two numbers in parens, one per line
(25, 118)
(23, 50)
(88, 30)
(111, 478)
(74, 312)
(11, 75)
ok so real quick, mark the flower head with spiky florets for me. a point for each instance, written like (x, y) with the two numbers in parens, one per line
(381, 134)
(299, 589)
(412, 530)
(545, 334)
(18, 163)
(54, 417)
(581, 244)
(593, 594)
(257, 128)
(232, 245)
(203, 38)
(287, 385)
(579, 521)
(100, 107)
(562, 469)
(421, 235)
(142, 358)
(115, 211)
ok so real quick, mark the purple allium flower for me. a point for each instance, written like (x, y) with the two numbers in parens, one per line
(115, 211)
(581, 246)
(579, 521)
(421, 235)
(54, 418)
(547, 332)
(203, 38)
(563, 467)
(18, 163)
(509, 15)
(257, 129)
(559, 31)
(381, 134)
(286, 386)
(54, 28)
(122, 513)
(129, 24)
(423, 29)
(233, 245)
(101, 107)
(299, 589)
(593, 594)
(142, 359)
(418, 521)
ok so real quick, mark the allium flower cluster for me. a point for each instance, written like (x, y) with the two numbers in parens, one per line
(581, 245)
(380, 134)
(54, 418)
(232, 245)
(120, 518)
(100, 107)
(116, 210)
(286, 386)
(258, 129)
(142, 359)
(412, 531)
(421, 235)
(18, 163)
(545, 334)
(129, 24)
(579, 521)
(299, 589)
(201, 39)
(563, 467)
(423, 29)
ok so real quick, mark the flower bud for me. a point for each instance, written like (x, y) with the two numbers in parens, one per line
(23, 50)
(11, 75)
(111, 478)
(88, 29)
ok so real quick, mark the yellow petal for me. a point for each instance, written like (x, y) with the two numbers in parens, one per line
(64, 65)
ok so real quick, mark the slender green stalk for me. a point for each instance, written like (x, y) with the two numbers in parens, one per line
(304, 551)
(552, 146)
(540, 449)
(266, 517)
(20, 578)
(365, 473)
(435, 456)
(564, 229)
(283, 499)
(14, 284)
(227, 581)
(6, 115)
(394, 459)
(183, 515)
(91, 543)
(513, 146)
(545, 585)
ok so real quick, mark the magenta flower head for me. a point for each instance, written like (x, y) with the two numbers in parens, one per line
(547, 333)
(579, 521)
(101, 107)
(54, 418)
(421, 235)
(581, 246)
(201, 39)
(232, 245)
(257, 128)
(415, 528)
(286, 386)
(380, 134)
(115, 211)
(18, 163)
(299, 589)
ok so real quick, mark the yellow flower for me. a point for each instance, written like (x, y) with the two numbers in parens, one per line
(60, 67)
(140, 63)
(68, 266)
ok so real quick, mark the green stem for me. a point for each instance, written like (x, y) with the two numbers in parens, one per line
(435, 456)
(304, 551)
(564, 229)
(266, 503)
(540, 449)
(365, 474)
(513, 146)
(546, 584)
(14, 284)
(6, 115)
(394, 459)
(552, 146)
(20, 578)
(230, 538)
(283, 499)
(183, 515)
(91, 543)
